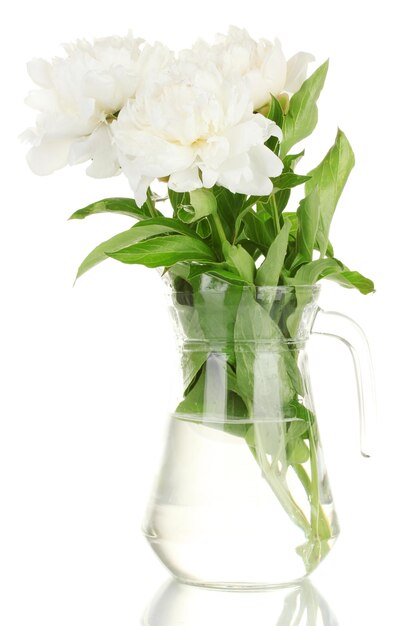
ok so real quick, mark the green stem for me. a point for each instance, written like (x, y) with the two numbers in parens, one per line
(323, 529)
(219, 227)
(320, 525)
(150, 203)
(303, 477)
(282, 493)
(275, 213)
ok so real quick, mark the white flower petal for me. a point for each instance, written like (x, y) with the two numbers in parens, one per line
(297, 68)
(209, 176)
(214, 151)
(48, 156)
(39, 71)
(243, 136)
(42, 100)
(233, 171)
(269, 128)
(153, 156)
(139, 184)
(260, 64)
(140, 189)
(79, 92)
(265, 162)
(259, 186)
(185, 180)
(100, 149)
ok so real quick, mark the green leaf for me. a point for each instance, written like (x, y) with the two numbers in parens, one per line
(302, 116)
(217, 272)
(239, 259)
(329, 249)
(227, 202)
(282, 198)
(298, 428)
(269, 272)
(288, 180)
(123, 206)
(350, 279)
(140, 231)
(275, 112)
(291, 160)
(308, 220)
(177, 198)
(239, 219)
(281, 184)
(164, 251)
(297, 451)
(193, 403)
(259, 230)
(297, 409)
(216, 307)
(191, 360)
(310, 273)
(293, 219)
(229, 206)
(200, 399)
(164, 225)
(252, 248)
(330, 177)
(203, 228)
(257, 370)
(202, 203)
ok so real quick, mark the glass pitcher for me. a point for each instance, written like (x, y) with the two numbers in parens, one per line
(242, 498)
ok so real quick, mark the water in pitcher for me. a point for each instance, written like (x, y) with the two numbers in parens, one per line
(214, 515)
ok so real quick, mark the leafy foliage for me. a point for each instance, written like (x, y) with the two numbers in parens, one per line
(330, 177)
(271, 268)
(164, 251)
(139, 232)
(302, 116)
(123, 206)
(224, 235)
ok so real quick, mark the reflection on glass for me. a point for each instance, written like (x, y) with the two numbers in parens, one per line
(176, 604)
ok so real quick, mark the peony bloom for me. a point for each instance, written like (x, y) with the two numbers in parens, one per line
(261, 64)
(78, 98)
(197, 127)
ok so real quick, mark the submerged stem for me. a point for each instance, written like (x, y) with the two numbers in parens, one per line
(323, 529)
(318, 530)
(320, 525)
(282, 492)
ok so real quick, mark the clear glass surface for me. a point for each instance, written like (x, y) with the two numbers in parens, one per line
(242, 498)
(176, 604)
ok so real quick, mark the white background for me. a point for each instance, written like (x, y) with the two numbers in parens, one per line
(89, 372)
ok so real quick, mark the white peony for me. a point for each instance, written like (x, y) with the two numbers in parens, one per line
(197, 127)
(188, 118)
(261, 64)
(78, 98)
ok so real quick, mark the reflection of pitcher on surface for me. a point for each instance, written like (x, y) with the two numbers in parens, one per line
(243, 498)
(176, 604)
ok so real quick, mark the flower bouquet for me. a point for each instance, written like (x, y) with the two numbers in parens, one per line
(207, 139)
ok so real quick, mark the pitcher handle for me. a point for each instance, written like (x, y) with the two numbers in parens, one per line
(342, 327)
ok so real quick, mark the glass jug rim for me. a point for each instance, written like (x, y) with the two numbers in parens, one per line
(205, 419)
(260, 289)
